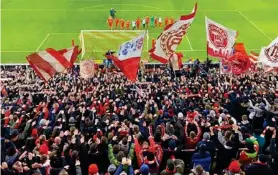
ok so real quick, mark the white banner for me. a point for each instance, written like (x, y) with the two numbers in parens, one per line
(269, 54)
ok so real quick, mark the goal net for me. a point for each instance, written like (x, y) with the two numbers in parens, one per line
(95, 43)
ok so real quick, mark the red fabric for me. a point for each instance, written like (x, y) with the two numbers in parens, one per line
(43, 149)
(240, 61)
(93, 169)
(234, 167)
(129, 66)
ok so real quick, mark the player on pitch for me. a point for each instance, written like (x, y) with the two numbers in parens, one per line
(155, 21)
(117, 21)
(122, 24)
(166, 20)
(152, 21)
(160, 22)
(110, 22)
(112, 13)
(127, 25)
(147, 21)
(138, 22)
(172, 20)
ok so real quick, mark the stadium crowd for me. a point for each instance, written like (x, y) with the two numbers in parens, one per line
(190, 123)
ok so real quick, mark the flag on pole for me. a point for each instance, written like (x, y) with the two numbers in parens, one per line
(128, 57)
(220, 39)
(269, 55)
(87, 69)
(166, 44)
(49, 62)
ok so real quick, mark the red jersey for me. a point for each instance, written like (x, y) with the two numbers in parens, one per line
(156, 21)
(166, 20)
(138, 22)
(127, 24)
(117, 22)
(172, 20)
(122, 23)
(147, 20)
(110, 21)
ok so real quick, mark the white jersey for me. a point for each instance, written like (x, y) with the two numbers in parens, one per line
(143, 21)
(133, 23)
(159, 20)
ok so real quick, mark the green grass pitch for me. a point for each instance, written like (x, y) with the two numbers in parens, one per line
(30, 25)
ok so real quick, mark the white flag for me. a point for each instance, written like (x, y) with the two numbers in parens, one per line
(269, 54)
(220, 39)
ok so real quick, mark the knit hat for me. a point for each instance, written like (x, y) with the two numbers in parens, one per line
(112, 168)
(34, 132)
(14, 133)
(180, 115)
(144, 169)
(93, 169)
(234, 167)
(43, 149)
(42, 122)
(262, 105)
(172, 144)
(206, 136)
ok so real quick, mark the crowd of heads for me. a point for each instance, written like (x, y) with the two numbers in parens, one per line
(185, 122)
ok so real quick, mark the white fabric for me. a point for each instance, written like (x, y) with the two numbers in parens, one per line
(269, 54)
(220, 39)
(52, 61)
(132, 48)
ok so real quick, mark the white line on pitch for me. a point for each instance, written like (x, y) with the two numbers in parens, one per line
(13, 51)
(254, 25)
(189, 42)
(43, 41)
(99, 10)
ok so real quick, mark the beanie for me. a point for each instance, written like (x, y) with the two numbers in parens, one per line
(93, 169)
(34, 132)
(43, 149)
(234, 167)
(144, 169)
(206, 136)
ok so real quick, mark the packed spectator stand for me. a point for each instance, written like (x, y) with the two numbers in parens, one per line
(194, 121)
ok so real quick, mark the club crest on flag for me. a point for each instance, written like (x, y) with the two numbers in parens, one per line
(172, 38)
(87, 69)
(131, 46)
(217, 36)
(272, 53)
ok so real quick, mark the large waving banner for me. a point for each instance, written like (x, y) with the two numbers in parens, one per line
(166, 44)
(220, 39)
(269, 55)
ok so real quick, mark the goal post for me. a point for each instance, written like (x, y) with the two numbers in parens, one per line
(95, 43)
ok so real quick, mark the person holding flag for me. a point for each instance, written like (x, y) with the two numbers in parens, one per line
(128, 57)
(110, 22)
(122, 24)
(147, 21)
(127, 25)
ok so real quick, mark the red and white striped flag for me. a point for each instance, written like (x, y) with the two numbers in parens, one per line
(166, 44)
(49, 62)
(220, 39)
(254, 57)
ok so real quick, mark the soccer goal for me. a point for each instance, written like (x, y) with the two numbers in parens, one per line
(95, 43)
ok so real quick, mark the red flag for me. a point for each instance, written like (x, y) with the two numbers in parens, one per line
(166, 44)
(49, 62)
(128, 57)
(239, 61)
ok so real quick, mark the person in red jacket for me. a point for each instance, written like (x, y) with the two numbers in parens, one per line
(193, 138)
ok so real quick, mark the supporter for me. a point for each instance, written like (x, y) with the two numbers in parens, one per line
(103, 125)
